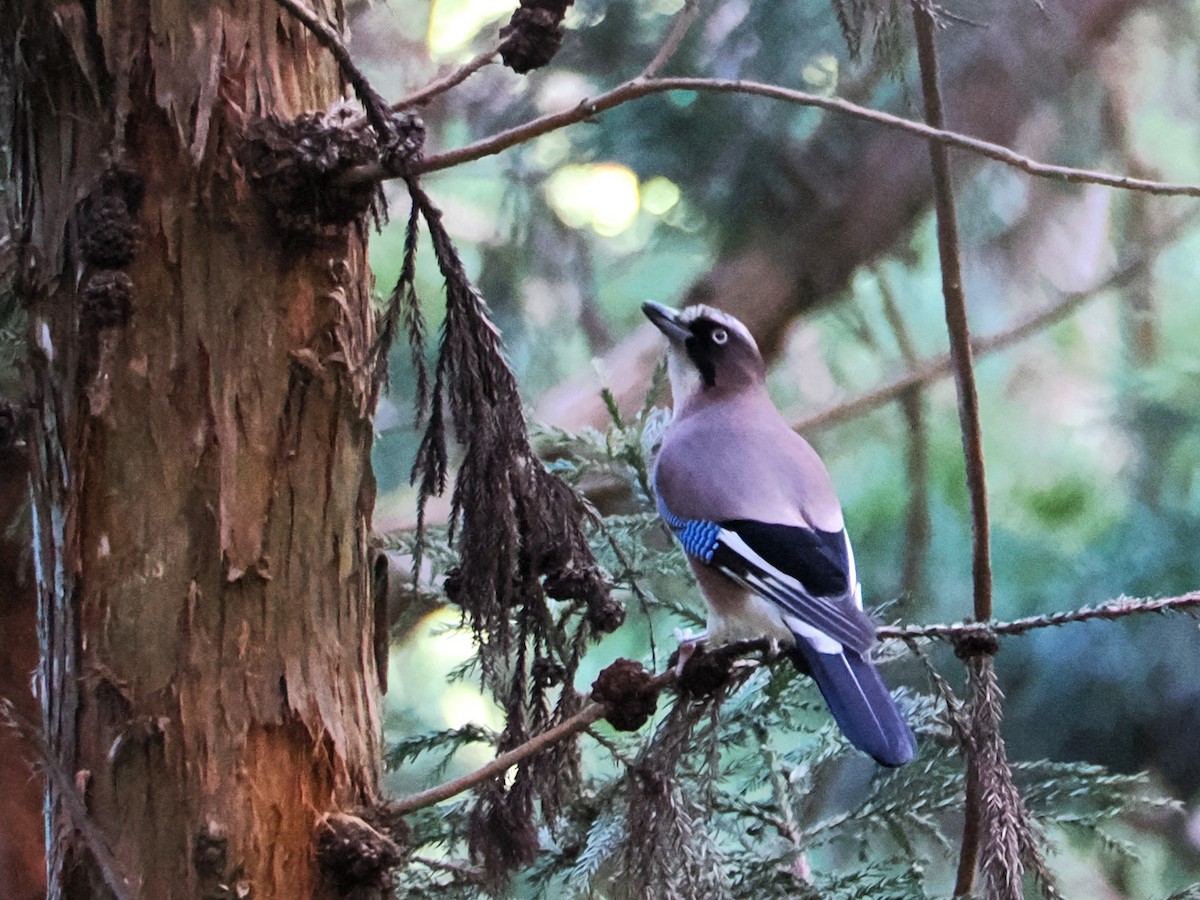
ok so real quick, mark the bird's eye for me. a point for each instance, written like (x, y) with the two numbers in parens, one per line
(720, 335)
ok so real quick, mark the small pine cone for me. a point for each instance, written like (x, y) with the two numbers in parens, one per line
(586, 583)
(591, 586)
(606, 615)
(630, 691)
(353, 855)
(108, 236)
(453, 585)
(704, 673)
(122, 180)
(533, 34)
(107, 300)
(547, 672)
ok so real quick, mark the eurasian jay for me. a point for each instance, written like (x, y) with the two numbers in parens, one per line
(756, 513)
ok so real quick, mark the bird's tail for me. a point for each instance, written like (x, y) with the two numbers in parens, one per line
(860, 703)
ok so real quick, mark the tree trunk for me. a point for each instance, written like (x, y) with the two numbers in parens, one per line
(202, 485)
(22, 862)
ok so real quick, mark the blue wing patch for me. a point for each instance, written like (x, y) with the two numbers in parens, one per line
(698, 536)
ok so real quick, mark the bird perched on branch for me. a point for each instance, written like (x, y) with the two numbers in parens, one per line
(756, 513)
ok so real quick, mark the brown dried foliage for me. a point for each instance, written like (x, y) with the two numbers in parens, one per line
(664, 853)
(521, 539)
(1010, 836)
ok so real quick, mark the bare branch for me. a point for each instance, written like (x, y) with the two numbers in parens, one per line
(373, 104)
(636, 89)
(446, 82)
(968, 405)
(941, 366)
(956, 317)
(675, 35)
(590, 713)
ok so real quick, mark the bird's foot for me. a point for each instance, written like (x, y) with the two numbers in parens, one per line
(688, 644)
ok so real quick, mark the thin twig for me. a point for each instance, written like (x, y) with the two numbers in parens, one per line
(956, 317)
(373, 104)
(590, 713)
(66, 791)
(675, 35)
(633, 90)
(446, 82)
(1114, 609)
(968, 401)
(462, 870)
(941, 366)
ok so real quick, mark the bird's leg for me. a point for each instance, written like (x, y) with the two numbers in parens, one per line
(688, 643)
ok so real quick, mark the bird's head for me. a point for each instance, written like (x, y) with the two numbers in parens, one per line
(709, 352)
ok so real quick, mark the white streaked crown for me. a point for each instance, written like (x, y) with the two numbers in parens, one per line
(690, 314)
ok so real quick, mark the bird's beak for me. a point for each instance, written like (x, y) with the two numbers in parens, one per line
(667, 321)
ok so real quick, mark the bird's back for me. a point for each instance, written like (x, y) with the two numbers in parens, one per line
(737, 459)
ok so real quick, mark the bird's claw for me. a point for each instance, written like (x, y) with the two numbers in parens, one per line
(688, 644)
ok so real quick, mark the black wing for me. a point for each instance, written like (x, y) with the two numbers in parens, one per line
(806, 573)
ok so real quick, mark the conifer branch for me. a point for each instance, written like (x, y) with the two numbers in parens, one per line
(1110, 611)
(592, 711)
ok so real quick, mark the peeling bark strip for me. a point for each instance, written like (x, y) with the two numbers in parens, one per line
(202, 486)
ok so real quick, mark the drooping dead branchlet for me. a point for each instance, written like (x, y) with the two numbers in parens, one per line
(501, 834)
(1011, 838)
(533, 34)
(527, 580)
(667, 850)
(404, 305)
